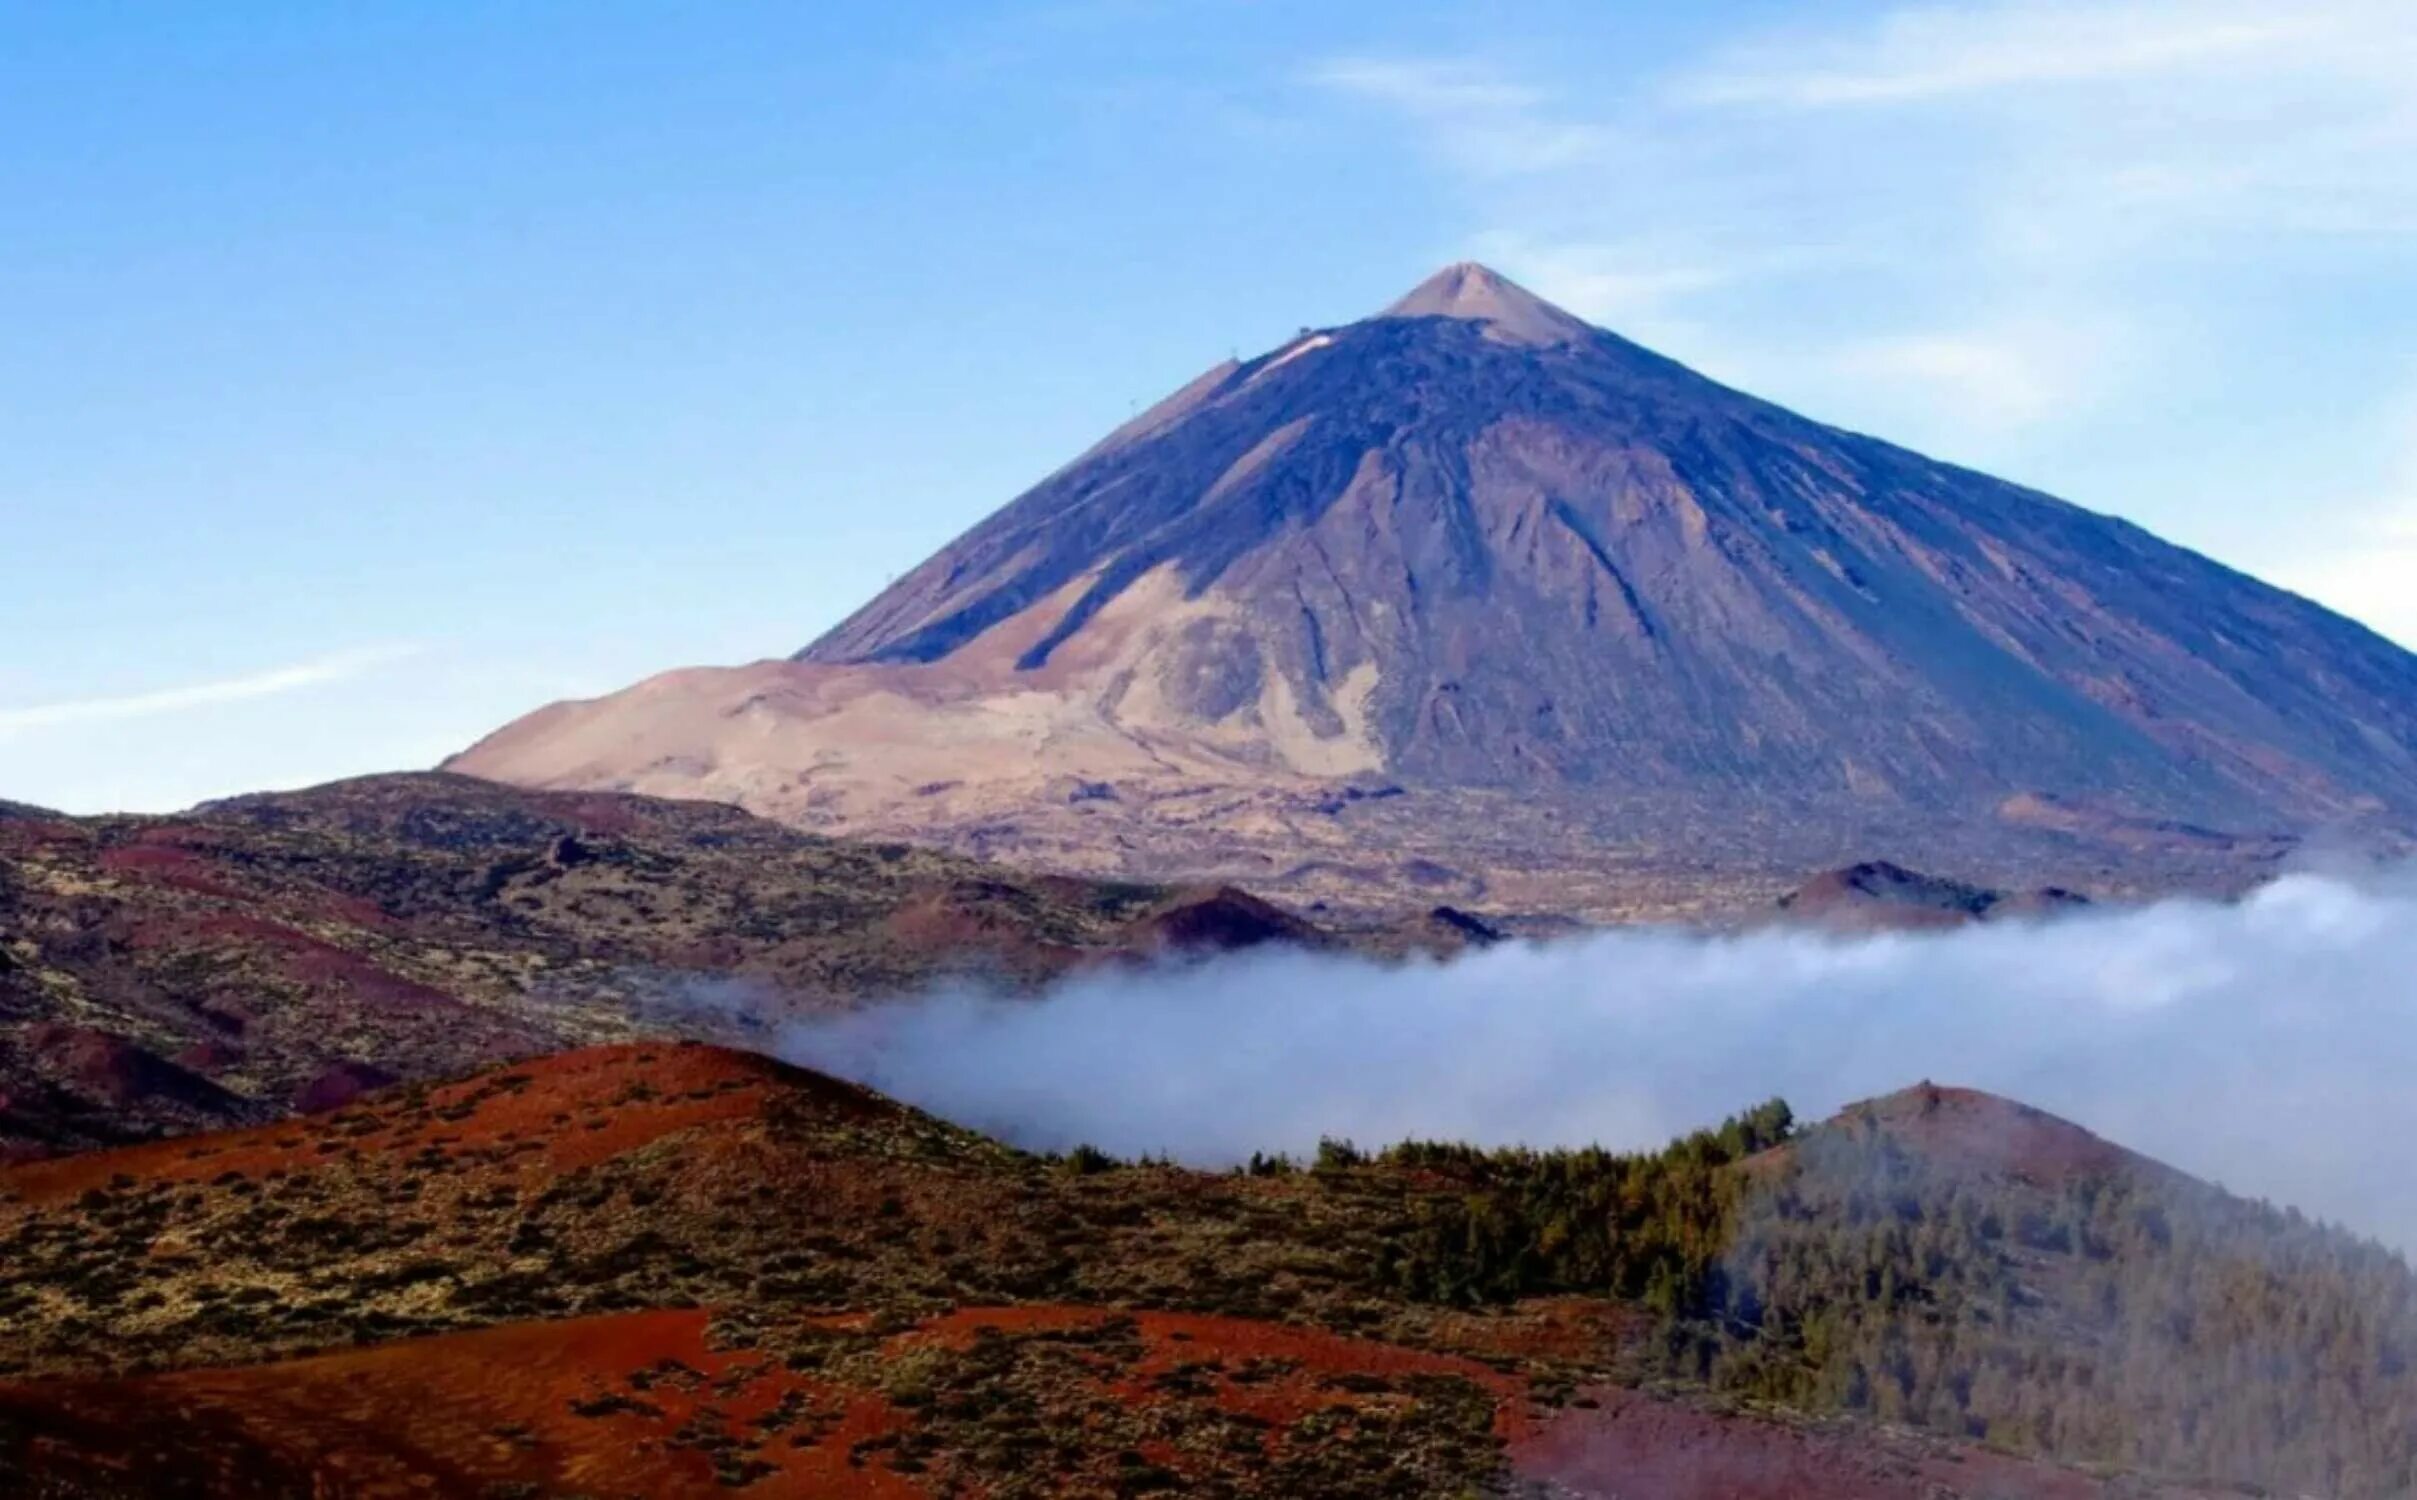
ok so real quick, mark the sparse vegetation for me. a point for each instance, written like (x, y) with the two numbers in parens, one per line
(1364, 1326)
(223, 967)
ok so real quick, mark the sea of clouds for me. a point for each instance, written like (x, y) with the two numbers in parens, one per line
(2268, 1044)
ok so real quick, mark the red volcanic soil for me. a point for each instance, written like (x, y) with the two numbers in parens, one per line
(634, 1403)
(1631, 1444)
(630, 1404)
(1311, 1358)
(312, 959)
(168, 864)
(115, 1069)
(561, 1113)
(1574, 1329)
(186, 858)
(339, 1086)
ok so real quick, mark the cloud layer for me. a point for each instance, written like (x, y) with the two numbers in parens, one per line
(2266, 1045)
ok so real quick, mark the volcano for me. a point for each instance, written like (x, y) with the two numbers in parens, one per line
(1472, 599)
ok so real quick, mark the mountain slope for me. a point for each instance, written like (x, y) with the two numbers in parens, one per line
(1477, 550)
(694, 1269)
(285, 951)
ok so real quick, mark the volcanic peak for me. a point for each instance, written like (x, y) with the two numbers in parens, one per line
(1512, 314)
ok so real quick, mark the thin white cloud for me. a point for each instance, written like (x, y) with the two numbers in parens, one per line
(2373, 579)
(2106, 127)
(1977, 380)
(1426, 86)
(2050, 182)
(1935, 52)
(1487, 122)
(300, 676)
(2370, 574)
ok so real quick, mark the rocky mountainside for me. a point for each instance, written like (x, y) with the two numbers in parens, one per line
(699, 1272)
(284, 952)
(1475, 601)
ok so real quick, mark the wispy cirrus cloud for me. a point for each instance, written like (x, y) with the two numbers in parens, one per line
(1427, 86)
(2139, 252)
(2000, 139)
(2374, 576)
(1992, 376)
(319, 671)
(1486, 121)
(1937, 52)
(1948, 211)
(2370, 566)
(2109, 126)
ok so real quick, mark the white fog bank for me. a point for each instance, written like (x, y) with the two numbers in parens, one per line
(2269, 1045)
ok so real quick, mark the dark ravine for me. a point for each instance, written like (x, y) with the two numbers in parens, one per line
(1567, 600)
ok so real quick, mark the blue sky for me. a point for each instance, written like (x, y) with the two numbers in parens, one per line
(372, 373)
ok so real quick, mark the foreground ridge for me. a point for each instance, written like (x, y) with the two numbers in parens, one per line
(704, 1269)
